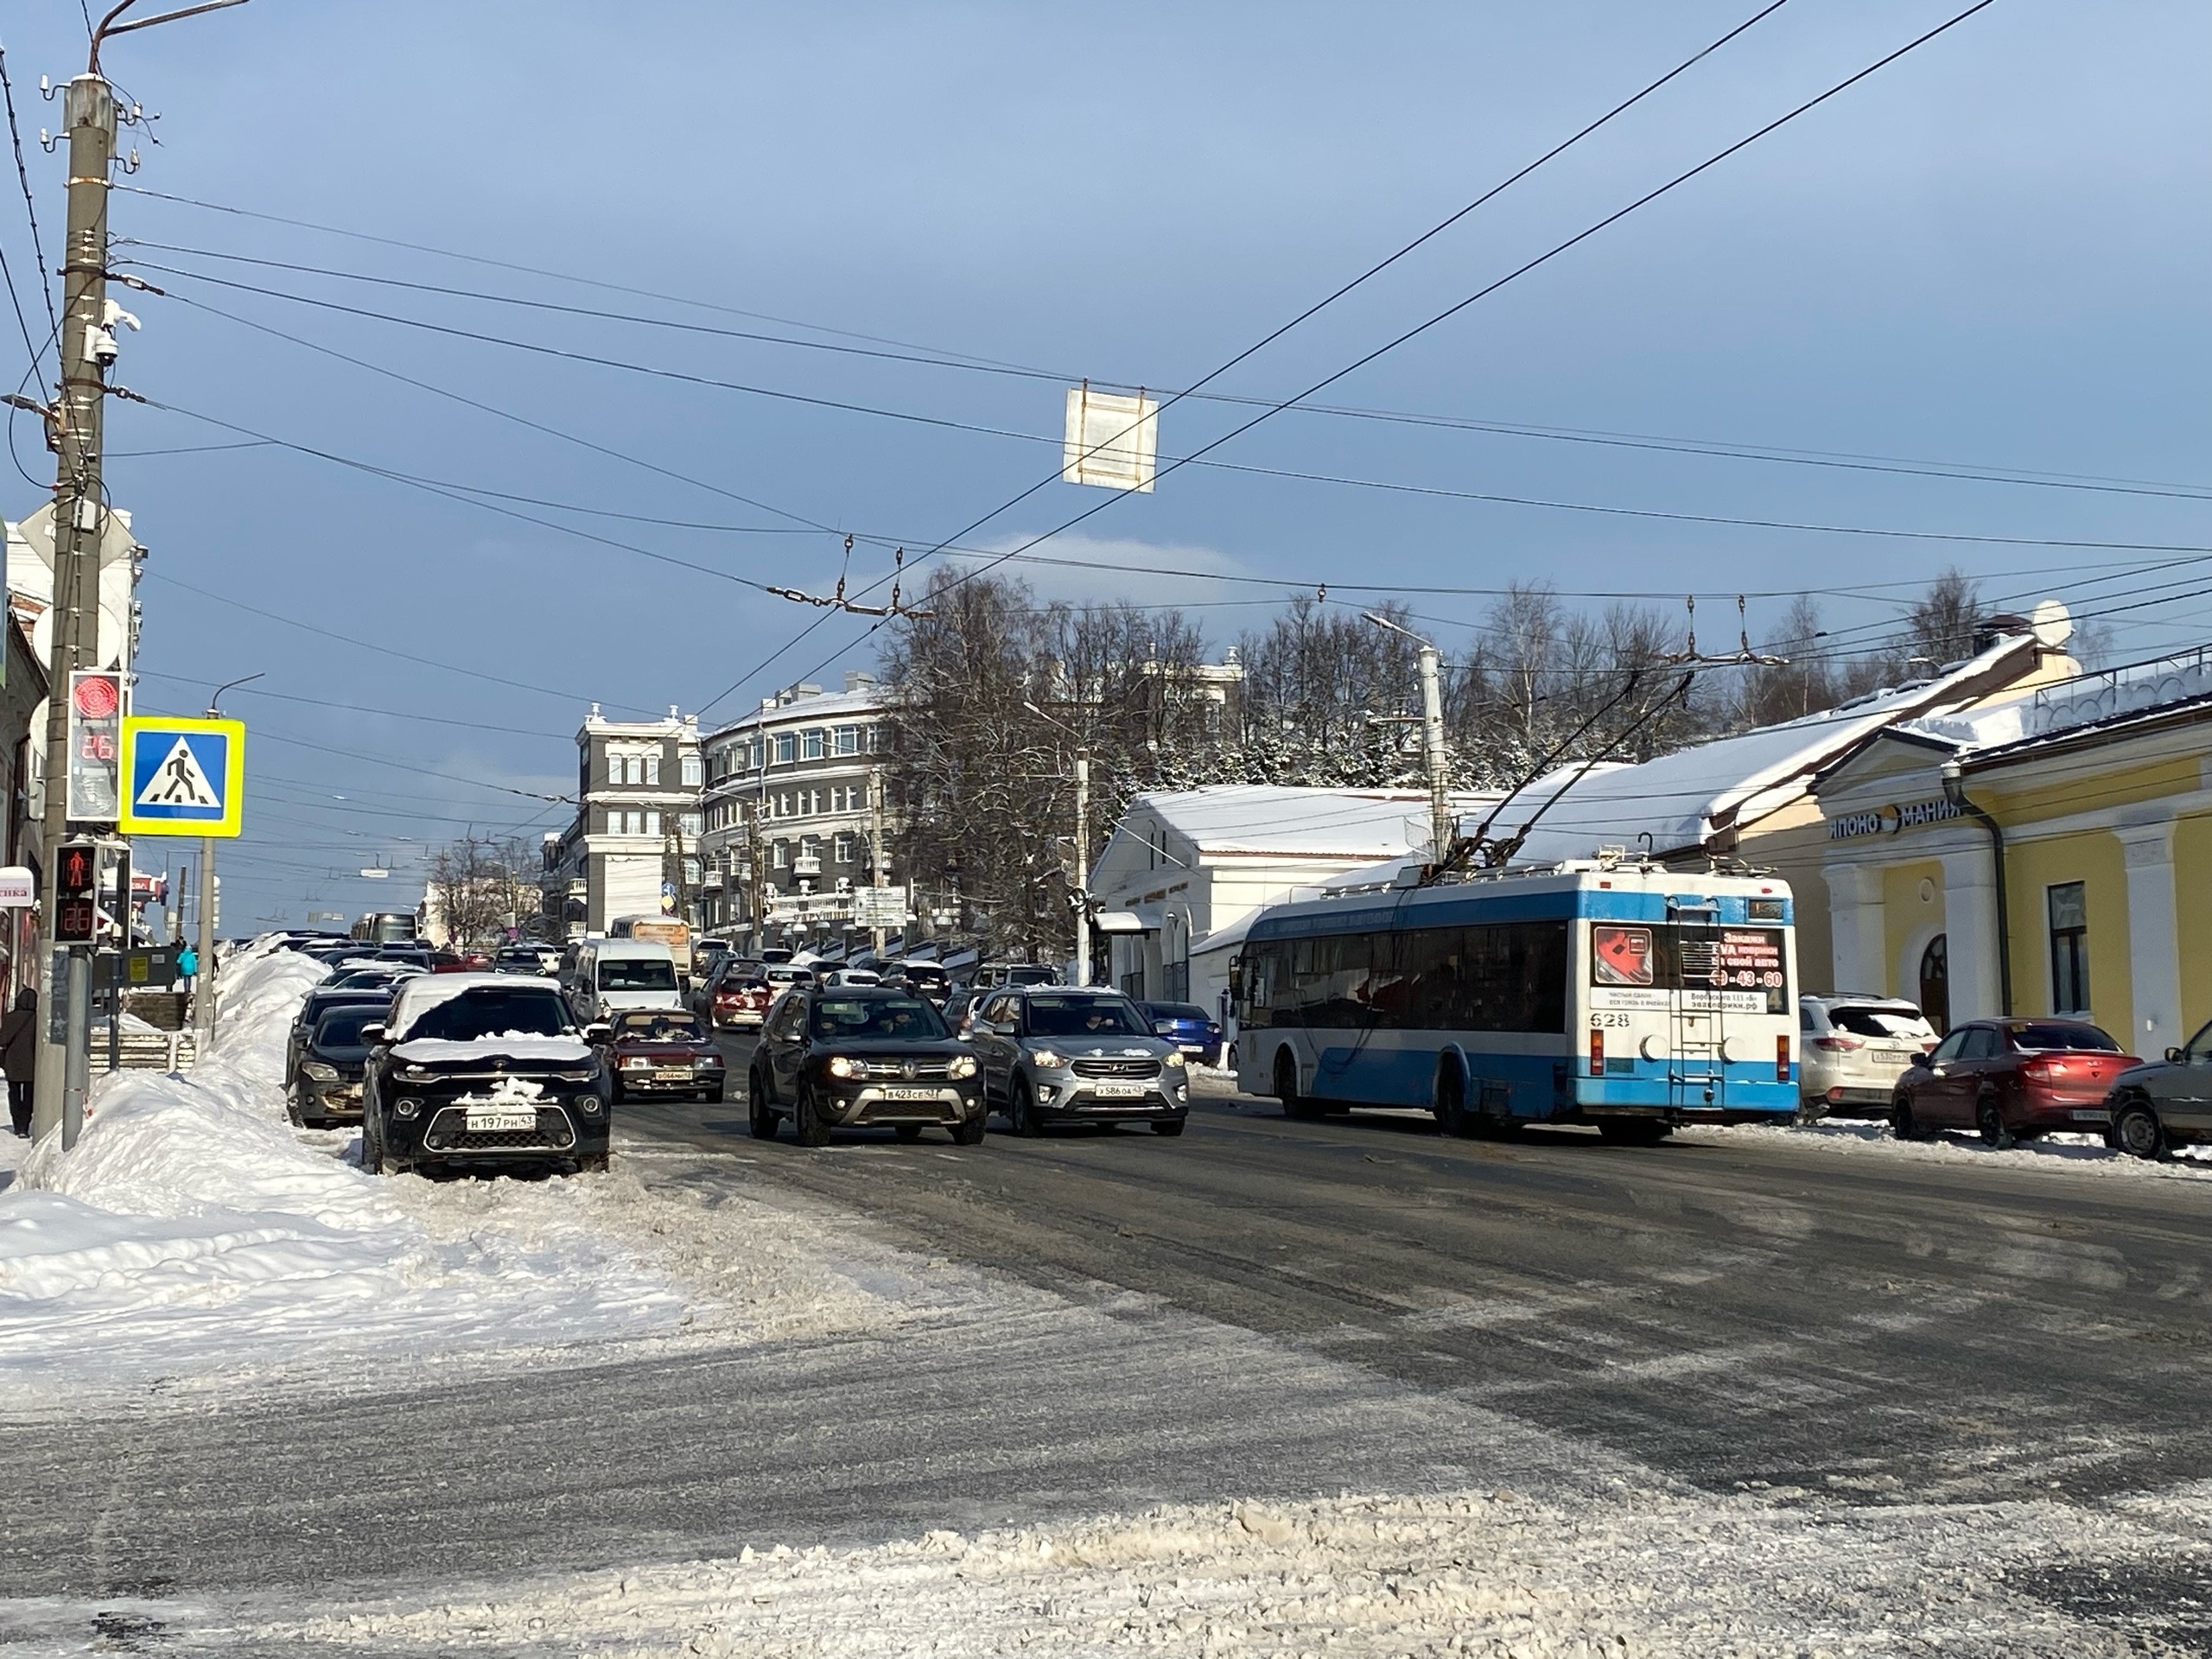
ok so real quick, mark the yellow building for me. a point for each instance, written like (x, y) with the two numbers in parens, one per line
(2093, 796)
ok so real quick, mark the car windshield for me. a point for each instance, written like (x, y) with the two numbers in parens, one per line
(2046, 1036)
(636, 974)
(485, 1011)
(890, 1017)
(1178, 1011)
(341, 1027)
(1085, 1016)
(1877, 1022)
(659, 1026)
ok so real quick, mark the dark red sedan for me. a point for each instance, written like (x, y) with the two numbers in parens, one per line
(2011, 1080)
(664, 1052)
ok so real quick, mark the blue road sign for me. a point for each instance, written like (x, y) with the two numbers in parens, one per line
(182, 777)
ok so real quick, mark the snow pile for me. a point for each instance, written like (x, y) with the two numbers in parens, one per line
(1489, 1573)
(2082, 1154)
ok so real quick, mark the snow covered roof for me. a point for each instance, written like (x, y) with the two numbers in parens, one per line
(1683, 800)
(2072, 705)
(1264, 819)
(806, 710)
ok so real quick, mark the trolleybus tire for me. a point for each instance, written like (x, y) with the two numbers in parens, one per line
(1452, 1103)
(1635, 1131)
(1293, 1103)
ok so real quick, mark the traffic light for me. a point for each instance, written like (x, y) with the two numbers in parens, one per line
(77, 916)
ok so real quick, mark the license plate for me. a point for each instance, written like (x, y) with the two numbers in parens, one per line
(1118, 1090)
(2090, 1117)
(1891, 1057)
(902, 1091)
(1193, 1048)
(484, 1123)
(674, 1074)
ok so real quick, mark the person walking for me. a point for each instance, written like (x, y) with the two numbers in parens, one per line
(19, 1055)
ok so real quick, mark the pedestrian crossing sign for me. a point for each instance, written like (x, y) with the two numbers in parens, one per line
(182, 777)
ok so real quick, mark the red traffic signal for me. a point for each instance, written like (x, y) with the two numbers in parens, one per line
(80, 869)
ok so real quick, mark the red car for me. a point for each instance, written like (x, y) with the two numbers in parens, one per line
(664, 1052)
(2011, 1079)
(742, 1002)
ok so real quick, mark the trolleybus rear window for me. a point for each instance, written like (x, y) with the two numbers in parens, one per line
(1748, 967)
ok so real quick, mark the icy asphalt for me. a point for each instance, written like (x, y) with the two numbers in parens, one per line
(1261, 1309)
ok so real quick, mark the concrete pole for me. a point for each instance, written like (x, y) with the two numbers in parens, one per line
(203, 1000)
(79, 516)
(875, 857)
(1083, 866)
(1443, 825)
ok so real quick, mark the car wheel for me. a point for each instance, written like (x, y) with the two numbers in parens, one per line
(1903, 1123)
(1989, 1118)
(1023, 1113)
(2137, 1132)
(1452, 1103)
(292, 1111)
(812, 1131)
(908, 1133)
(1168, 1126)
(1635, 1131)
(1293, 1103)
(968, 1134)
(759, 1116)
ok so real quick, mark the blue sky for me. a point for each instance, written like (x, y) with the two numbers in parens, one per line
(1993, 252)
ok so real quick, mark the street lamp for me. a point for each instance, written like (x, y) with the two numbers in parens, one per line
(203, 1001)
(1442, 823)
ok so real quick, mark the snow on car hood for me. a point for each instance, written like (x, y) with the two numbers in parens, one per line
(518, 1045)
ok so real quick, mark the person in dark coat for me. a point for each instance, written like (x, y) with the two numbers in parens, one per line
(19, 1055)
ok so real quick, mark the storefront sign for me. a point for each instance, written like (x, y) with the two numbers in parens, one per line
(1888, 820)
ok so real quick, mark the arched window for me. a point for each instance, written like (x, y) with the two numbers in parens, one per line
(1935, 984)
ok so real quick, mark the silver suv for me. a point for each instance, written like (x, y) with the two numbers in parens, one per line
(1852, 1048)
(1059, 1054)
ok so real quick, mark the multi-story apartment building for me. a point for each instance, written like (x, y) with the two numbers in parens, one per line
(633, 849)
(791, 813)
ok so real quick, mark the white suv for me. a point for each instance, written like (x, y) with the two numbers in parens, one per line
(1852, 1048)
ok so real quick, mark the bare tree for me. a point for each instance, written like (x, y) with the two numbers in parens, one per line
(480, 886)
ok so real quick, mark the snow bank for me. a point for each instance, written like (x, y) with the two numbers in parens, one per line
(2078, 1155)
(193, 1235)
(1646, 1573)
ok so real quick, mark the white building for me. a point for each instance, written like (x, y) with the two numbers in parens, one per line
(31, 595)
(1186, 869)
(633, 849)
(792, 787)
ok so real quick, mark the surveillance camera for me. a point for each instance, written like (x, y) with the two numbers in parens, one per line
(100, 346)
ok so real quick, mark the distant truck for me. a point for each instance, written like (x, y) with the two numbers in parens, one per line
(656, 929)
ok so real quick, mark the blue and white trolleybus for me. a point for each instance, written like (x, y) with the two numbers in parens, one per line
(1613, 992)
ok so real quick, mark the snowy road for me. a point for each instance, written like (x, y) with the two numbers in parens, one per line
(1758, 1393)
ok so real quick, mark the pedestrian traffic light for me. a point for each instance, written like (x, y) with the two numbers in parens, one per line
(77, 917)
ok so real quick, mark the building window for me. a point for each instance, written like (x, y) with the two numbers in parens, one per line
(653, 823)
(688, 825)
(1935, 984)
(653, 770)
(810, 743)
(2069, 947)
(843, 849)
(786, 749)
(849, 739)
(691, 772)
(780, 856)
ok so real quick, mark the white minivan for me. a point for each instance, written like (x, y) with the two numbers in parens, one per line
(613, 977)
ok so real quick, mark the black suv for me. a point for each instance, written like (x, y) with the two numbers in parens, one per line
(852, 1055)
(326, 1084)
(483, 1068)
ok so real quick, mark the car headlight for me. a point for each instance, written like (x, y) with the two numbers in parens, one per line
(1173, 1057)
(637, 1063)
(320, 1072)
(710, 1059)
(415, 1074)
(1047, 1058)
(842, 1067)
(590, 1074)
(963, 1065)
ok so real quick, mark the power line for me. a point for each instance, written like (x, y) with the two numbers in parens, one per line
(1492, 287)
(30, 208)
(365, 708)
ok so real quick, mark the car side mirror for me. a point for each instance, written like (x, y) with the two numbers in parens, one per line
(597, 1032)
(2173, 1056)
(372, 1035)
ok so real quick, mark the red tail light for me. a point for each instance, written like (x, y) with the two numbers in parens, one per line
(1597, 1053)
(1838, 1044)
(1782, 1058)
(2044, 1070)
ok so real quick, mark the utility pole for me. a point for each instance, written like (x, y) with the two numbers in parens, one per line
(1083, 866)
(875, 859)
(1436, 763)
(79, 515)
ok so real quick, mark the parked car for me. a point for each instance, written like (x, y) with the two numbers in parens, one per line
(664, 1052)
(2166, 1104)
(1058, 1054)
(851, 977)
(1189, 1027)
(707, 955)
(613, 975)
(2013, 1080)
(861, 1056)
(317, 1002)
(990, 976)
(1852, 1049)
(483, 1069)
(737, 997)
(925, 979)
(956, 1007)
(780, 973)
(326, 1084)
(369, 976)
(532, 959)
